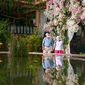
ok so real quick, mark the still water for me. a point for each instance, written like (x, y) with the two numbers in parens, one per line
(29, 71)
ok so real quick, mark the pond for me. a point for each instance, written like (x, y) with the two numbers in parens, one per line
(29, 71)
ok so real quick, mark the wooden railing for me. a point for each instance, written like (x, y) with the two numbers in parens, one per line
(69, 56)
(50, 54)
(20, 29)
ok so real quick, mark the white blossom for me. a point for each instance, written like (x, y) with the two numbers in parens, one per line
(83, 2)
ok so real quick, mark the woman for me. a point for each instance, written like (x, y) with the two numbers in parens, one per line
(58, 49)
(58, 45)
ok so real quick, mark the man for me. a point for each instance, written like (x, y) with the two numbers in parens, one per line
(47, 44)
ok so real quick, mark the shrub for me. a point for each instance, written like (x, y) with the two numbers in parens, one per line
(19, 47)
(22, 44)
(34, 42)
(4, 34)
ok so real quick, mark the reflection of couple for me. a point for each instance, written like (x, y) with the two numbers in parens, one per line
(48, 47)
(55, 69)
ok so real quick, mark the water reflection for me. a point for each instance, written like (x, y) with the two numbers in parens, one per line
(79, 69)
(19, 70)
(37, 70)
(3, 71)
(58, 71)
(58, 62)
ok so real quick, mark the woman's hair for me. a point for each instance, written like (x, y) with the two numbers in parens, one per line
(58, 36)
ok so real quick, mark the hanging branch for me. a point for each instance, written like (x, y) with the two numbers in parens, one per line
(13, 17)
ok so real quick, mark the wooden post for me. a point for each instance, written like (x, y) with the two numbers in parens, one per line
(36, 79)
(83, 34)
(37, 18)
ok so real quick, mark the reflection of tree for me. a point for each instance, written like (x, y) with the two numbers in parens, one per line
(72, 79)
(79, 68)
(34, 63)
(65, 76)
(25, 68)
(17, 66)
(3, 78)
(58, 76)
(3, 70)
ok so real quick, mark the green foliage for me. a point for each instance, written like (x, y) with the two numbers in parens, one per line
(34, 63)
(19, 46)
(3, 69)
(34, 41)
(3, 78)
(82, 53)
(29, 0)
(22, 65)
(65, 66)
(22, 44)
(4, 34)
(3, 24)
(66, 40)
(18, 65)
(22, 47)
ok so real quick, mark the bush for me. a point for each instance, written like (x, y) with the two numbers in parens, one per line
(19, 47)
(22, 44)
(34, 42)
(4, 34)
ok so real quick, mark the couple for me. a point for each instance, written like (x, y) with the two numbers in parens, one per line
(48, 47)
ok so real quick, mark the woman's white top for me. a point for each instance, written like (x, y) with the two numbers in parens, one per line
(59, 45)
(59, 60)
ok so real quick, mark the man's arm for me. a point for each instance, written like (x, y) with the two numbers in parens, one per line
(43, 47)
(42, 59)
